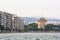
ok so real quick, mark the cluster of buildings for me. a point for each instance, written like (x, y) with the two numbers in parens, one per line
(11, 22)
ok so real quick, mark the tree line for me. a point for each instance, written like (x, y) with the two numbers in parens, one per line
(48, 27)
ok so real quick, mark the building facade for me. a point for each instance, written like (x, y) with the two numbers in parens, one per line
(3, 19)
(8, 21)
(11, 22)
(18, 23)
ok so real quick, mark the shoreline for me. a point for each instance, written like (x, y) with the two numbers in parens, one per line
(28, 32)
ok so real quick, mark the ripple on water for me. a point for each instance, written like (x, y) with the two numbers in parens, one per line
(32, 36)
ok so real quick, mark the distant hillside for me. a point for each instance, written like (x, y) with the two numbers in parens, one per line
(35, 19)
(29, 19)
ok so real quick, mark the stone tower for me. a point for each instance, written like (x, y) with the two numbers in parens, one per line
(41, 23)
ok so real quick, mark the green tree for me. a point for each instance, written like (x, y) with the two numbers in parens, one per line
(31, 26)
(34, 26)
(49, 27)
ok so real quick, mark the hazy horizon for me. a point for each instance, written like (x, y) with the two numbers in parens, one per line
(32, 8)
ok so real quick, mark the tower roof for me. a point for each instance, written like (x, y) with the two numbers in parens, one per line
(42, 19)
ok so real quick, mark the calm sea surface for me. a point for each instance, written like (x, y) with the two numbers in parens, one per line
(30, 36)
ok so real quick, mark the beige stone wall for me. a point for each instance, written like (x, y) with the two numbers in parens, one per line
(41, 23)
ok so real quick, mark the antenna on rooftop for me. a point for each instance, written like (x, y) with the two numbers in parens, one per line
(42, 15)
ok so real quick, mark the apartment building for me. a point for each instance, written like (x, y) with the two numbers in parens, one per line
(3, 19)
(18, 23)
(11, 21)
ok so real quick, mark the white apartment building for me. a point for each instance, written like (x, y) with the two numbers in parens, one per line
(18, 23)
(11, 21)
(3, 19)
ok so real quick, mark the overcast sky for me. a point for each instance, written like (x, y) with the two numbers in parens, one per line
(32, 8)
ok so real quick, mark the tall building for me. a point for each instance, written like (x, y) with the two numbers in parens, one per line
(3, 18)
(18, 23)
(8, 20)
(11, 22)
(41, 23)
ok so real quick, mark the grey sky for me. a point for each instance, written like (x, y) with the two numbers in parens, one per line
(32, 8)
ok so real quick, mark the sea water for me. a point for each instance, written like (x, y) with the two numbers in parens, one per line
(30, 36)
